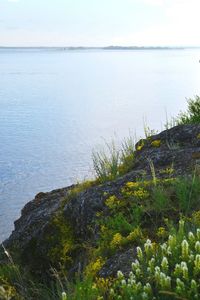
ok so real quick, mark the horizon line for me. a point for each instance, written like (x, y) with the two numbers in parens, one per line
(114, 47)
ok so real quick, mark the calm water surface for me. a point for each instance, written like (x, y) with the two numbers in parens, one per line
(56, 106)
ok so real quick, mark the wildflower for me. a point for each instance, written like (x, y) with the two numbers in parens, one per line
(151, 264)
(135, 234)
(196, 218)
(102, 283)
(135, 265)
(64, 296)
(169, 180)
(162, 279)
(197, 246)
(98, 214)
(185, 249)
(178, 270)
(165, 264)
(131, 275)
(156, 143)
(138, 272)
(139, 286)
(194, 285)
(140, 145)
(148, 247)
(169, 251)
(168, 171)
(145, 296)
(180, 286)
(172, 241)
(123, 282)
(157, 269)
(198, 233)
(94, 286)
(164, 249)
(131, 184)
(184, 269)
(131, 281)
(168, 282)
(191, 237)
(112, 202)
(191, 258)
(181, 225)
(157, 274)
(197, 263)
(139, 253)
(112, 292)
(117, 240)
(161, 233)
(120, 275)
(148, 289)
(98, 264)
(141, 193)
(103, 228)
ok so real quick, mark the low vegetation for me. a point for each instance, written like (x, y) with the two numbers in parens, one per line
(159, 218)
(161, 270)
(192, 115)
(114, 161)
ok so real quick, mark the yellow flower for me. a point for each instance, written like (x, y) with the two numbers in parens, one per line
(196, 218)
(156, 143)
(140, 146)
(103, 228)
(168, 171)
(141, 193)
(134, 235)
(147, 182)
(113, 202)
(103, 284)
(161, 232)
(169, 180)
(99, 213)
(131, 184)
(198, 136)
(117, 240)
(95, 266)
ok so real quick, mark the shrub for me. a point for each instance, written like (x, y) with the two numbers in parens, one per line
(192, 115)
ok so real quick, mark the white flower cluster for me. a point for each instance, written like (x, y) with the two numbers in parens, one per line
(173, 266)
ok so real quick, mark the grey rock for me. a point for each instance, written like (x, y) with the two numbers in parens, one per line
(180, 147)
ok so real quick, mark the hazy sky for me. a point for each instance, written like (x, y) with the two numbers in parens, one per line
(99, 22)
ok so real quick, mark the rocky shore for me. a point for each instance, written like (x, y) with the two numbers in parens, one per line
(70, 214)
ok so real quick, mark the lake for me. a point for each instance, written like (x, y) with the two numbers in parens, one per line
(57, 106)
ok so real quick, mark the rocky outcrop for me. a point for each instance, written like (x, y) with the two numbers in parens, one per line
(178, 147)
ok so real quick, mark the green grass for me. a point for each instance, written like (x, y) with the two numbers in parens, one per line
(113, 161)
(106, 162)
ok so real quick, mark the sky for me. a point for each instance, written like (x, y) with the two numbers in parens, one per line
(99, 22)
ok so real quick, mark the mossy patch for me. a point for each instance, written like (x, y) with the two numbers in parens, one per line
(61, 243)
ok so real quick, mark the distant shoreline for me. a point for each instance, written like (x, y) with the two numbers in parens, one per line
(108, 48)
